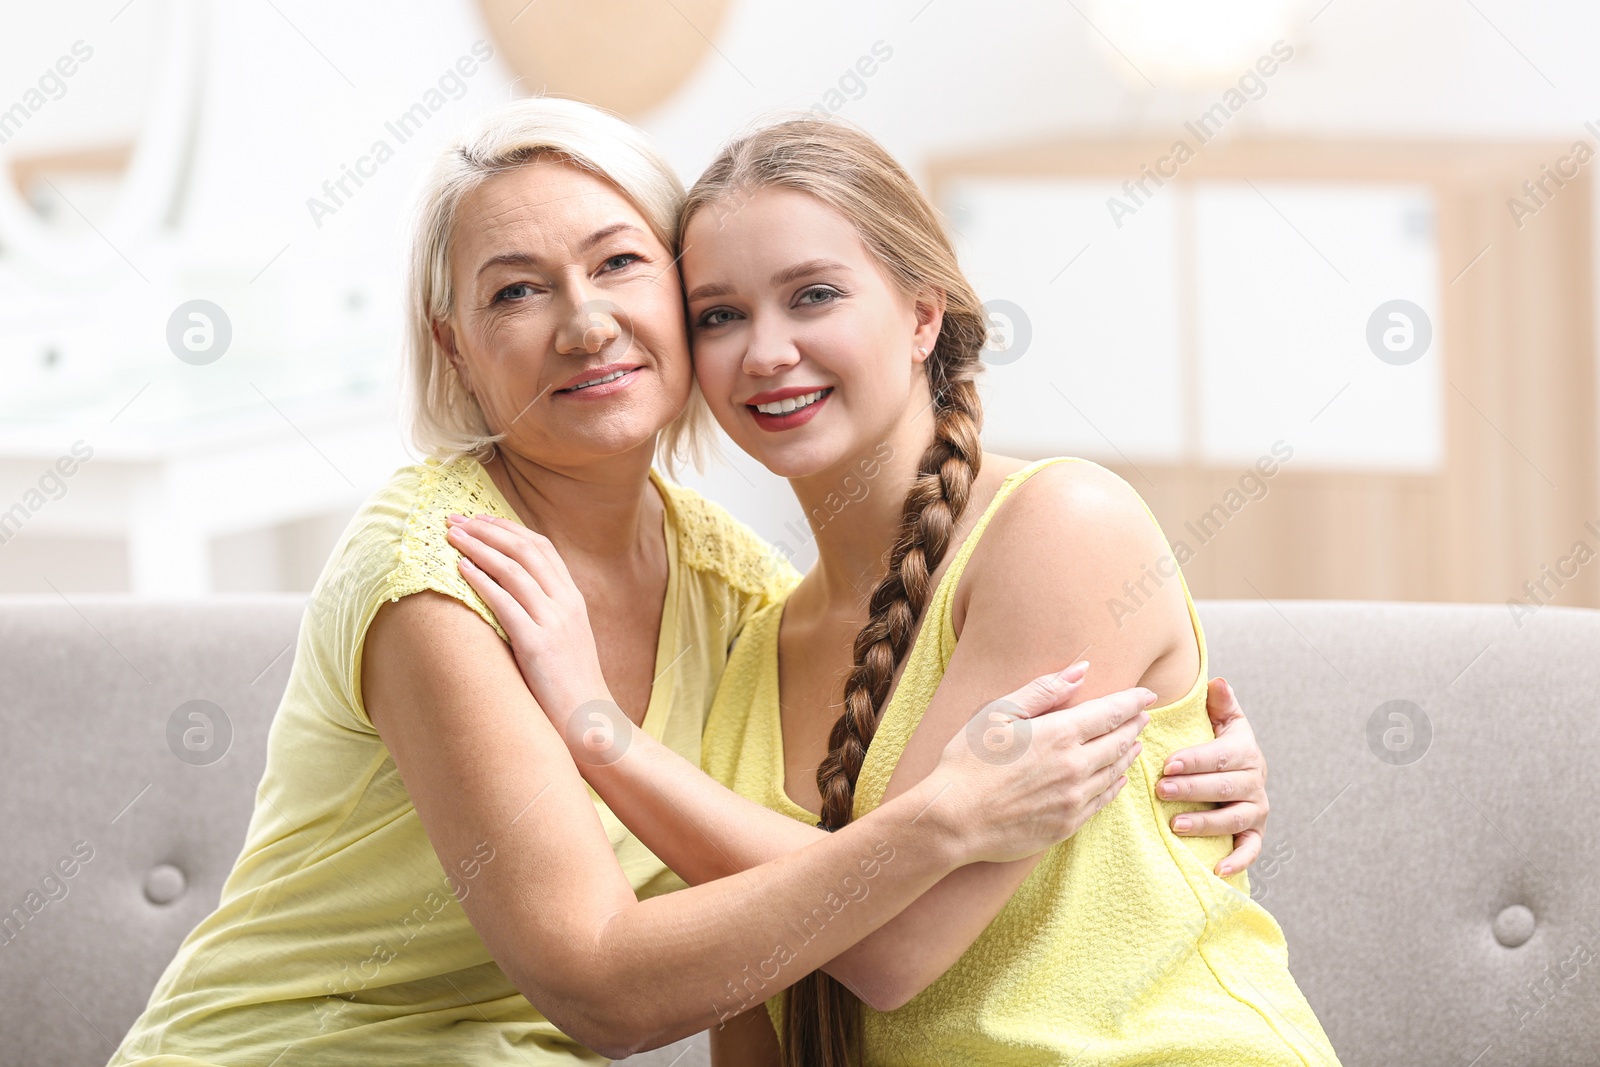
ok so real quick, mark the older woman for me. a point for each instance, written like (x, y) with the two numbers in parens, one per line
(427, 878)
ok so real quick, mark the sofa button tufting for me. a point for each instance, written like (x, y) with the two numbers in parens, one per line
(1513, 926)
(164, 884)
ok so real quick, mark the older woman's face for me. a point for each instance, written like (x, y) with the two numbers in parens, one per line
(568, 319)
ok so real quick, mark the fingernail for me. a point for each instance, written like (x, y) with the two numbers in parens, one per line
(1075, 672)
(1180, 823)
(453, 517)
(467, 564)
(1174, 767)
(1224, 870)
(1166, 789)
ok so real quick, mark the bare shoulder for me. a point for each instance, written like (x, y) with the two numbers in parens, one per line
(434, 623)
(429, 641)
(1070, 518)
(1071, 553)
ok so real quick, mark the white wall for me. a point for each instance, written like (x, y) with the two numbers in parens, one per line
(297, 90)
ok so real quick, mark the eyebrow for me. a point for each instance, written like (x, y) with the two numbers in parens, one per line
(523, 259)
(783, 277)
(606, 231)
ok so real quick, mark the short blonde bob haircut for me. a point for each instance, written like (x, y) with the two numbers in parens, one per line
(444, 420)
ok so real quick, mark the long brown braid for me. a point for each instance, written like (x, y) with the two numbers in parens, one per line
(850, 172)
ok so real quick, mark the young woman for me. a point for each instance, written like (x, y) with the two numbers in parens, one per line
(426, 878)
(834, 335)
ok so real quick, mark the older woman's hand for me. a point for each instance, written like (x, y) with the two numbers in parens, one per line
(1232, 771)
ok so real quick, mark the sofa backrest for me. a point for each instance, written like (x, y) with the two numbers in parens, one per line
(1431, 854)
(98, 699)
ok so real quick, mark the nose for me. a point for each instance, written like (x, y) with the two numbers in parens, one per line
(588, 321)
(770, 350)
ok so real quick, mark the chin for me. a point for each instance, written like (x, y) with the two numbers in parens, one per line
(612, 437)
(801, 460)
(610, 433)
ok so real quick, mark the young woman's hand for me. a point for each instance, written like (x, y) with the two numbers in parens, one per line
(1028, 772)
(1232, 771)
(519, 574)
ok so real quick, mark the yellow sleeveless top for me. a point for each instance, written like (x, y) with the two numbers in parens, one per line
(1122, 947)
(339, 939)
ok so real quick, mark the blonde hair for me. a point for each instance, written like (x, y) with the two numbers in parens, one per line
(850, 172)
(444, 419)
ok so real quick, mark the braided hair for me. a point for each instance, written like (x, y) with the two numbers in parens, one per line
(853, 174)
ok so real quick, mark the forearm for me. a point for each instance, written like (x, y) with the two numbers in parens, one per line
(685, 961)
(901, 959)
(704, 831)
(697, 826)
(480, 762)
(746, 1040)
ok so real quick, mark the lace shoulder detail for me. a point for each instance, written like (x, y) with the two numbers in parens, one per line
(423, 558)
(712, 540)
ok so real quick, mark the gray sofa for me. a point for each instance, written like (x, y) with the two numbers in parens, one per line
(1437, 874)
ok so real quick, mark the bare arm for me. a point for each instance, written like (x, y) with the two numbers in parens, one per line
(482, 764)
(1054, 559)
(666, 800)
(705, 832)
(746, 1040)
(1028, 599)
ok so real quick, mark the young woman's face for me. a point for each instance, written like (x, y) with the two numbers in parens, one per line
(789, 312)
(559, 281)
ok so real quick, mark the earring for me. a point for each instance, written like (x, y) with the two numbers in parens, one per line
(922, 350)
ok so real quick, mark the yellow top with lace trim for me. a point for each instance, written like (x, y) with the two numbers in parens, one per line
(339, 938)
(1122, 947)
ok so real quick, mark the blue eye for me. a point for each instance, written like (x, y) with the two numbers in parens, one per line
(827, 293)
(506, 293)
(625, 258)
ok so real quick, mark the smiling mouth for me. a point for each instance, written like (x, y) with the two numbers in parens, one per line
(793, 403)
(613, 376)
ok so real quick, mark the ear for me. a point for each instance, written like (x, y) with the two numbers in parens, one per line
(929, 309)
(445, 337)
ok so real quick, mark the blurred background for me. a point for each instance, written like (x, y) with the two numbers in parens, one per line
(1316, 278)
